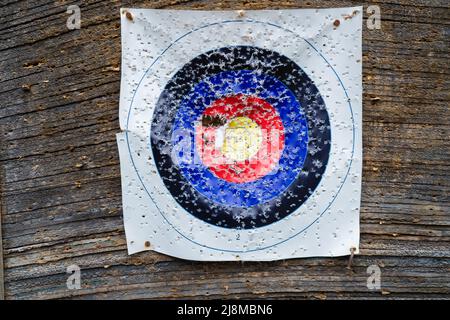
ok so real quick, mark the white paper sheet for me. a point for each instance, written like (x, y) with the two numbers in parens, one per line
(325, 44)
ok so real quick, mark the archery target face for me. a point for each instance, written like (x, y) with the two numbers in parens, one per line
(240, 135)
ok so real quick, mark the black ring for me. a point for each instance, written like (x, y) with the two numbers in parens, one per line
(233, 59)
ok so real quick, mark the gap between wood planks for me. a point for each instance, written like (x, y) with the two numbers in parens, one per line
(2, 278)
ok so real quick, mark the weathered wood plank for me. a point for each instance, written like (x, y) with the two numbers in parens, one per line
(2, 267)
(60, 179)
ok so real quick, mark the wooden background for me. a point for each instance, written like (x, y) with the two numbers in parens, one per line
(60, 179)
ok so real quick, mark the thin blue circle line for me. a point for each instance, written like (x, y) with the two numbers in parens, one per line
(145, 188)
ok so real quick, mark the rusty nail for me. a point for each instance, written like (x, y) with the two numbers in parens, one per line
(350, 260)
(129, 15)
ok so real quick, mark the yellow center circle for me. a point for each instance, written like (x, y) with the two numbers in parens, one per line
(242, 139)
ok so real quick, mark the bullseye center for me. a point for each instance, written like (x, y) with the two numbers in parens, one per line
(242, 139)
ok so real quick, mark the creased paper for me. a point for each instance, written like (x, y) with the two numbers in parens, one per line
(241, 132)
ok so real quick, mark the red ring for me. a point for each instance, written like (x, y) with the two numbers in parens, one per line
(228, 108)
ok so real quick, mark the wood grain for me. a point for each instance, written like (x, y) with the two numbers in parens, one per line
(60, 179)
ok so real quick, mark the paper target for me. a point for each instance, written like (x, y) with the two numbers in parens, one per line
(237, 146)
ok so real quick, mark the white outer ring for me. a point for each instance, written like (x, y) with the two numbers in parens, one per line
(319, 71)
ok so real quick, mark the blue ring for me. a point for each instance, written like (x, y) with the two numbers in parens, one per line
(296, 137)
